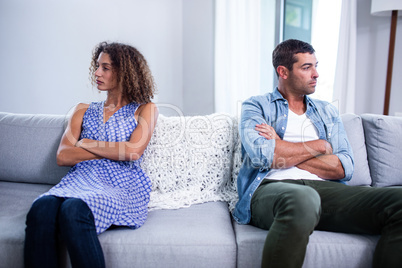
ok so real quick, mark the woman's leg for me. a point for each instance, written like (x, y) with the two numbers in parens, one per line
(290, 211)
(77, 228)
(41, 245)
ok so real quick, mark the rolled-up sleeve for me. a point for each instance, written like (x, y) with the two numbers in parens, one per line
(259, 149)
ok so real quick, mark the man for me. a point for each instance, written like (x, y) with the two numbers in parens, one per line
(296, 160)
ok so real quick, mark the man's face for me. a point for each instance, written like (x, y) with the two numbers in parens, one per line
(302, 80)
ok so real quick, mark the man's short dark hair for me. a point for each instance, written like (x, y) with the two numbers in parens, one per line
(285, 53)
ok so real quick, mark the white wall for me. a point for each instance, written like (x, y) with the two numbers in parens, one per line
(46, 50)
(198, 56)
(372, 56)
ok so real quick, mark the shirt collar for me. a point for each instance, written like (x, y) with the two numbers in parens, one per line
(276, 95)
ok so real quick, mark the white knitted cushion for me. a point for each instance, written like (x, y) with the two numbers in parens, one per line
(190, 160)
(237, 161)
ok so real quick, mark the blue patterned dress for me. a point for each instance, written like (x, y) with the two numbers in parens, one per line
(117, 192)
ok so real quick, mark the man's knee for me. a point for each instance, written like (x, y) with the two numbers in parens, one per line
(299, 207)
(296, 205)
(299, 203)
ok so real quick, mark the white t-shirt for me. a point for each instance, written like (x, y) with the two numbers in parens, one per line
(299, 129)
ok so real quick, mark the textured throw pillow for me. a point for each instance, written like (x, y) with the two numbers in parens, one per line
(237, 161)
(384, 148)
(189, 160)
(354, 130)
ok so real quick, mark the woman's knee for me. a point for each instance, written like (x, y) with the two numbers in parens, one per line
(74, 212)
(44, 210)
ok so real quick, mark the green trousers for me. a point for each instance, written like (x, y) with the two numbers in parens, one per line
(292, 209)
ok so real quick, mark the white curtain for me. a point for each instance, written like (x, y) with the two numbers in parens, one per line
(237, 53)
(345, 75)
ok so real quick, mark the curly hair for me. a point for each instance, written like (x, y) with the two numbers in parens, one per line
(131, 69)
(285, 53)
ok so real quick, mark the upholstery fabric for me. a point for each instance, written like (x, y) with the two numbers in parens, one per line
(175, 238)
(322, 250)
(15, 201)
(28, 145)
(354, 130)
(169, 238)
(384, 143)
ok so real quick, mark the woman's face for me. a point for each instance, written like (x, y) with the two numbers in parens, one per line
(104, 74)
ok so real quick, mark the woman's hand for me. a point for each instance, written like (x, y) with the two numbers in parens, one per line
(87, 143)
(266, 131)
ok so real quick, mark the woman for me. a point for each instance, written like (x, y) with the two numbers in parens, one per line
(104, 142)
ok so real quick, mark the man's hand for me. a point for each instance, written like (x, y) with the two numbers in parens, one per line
(318, 147)
(315, 148)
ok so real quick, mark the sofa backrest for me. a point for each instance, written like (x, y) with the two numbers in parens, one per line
(28, 145)
(191, 159)
(354, 130)
(384, 148)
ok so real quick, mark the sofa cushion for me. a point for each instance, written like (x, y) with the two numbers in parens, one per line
(189, 160)
(354, 130)
(325, 249)
(15, 202)
(198, 236)
(28, 145)
(384, 148)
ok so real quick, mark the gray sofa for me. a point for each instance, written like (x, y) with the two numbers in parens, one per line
(193, 164)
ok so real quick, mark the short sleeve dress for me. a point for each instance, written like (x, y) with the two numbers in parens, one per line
(117, 192)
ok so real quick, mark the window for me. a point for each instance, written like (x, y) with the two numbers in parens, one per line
(316, 22)
(246, 32)
(297, 18)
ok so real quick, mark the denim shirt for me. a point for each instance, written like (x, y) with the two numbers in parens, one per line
(258, 152)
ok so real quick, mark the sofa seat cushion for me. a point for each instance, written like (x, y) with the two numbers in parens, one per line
(198, 236)
(384, 143)
(15, 201)
(325, 249)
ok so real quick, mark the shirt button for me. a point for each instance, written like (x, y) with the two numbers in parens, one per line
(283, 128)
(329, 134)
(258, 178)
(285, 115)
